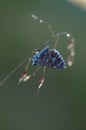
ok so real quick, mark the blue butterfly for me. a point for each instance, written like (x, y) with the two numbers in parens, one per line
(46, 58)
(49, 59)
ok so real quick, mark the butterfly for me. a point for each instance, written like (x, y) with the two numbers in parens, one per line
(46, 57)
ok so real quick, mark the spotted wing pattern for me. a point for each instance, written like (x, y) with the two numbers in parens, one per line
(49, 59)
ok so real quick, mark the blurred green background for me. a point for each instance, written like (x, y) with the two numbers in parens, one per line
(61, 104)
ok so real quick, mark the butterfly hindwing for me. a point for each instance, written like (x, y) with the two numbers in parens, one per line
(49, 59)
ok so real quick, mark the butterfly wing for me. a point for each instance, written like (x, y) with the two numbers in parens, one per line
(52, 59)
(37, 58)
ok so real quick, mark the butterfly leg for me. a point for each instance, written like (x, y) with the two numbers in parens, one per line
(41, 81)
(71, 48)
(27, 77)
(24, 76)
(56, 42)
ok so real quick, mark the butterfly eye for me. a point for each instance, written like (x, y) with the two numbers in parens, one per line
(37, 52)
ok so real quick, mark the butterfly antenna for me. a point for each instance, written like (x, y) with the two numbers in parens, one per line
(42, 21)
(13, 71)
